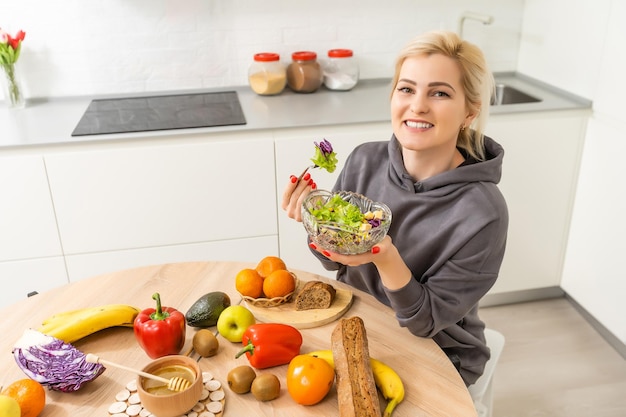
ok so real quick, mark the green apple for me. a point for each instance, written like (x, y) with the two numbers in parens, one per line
(234, 321)
(9, 407)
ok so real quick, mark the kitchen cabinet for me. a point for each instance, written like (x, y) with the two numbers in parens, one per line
(27, 216)
(163, 201)
(85, 265)
(20, 278)
(30, 250)
(540, 170)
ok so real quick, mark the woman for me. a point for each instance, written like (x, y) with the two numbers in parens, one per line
(438, 175)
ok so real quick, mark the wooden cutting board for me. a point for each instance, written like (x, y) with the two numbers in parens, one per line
(304, 319)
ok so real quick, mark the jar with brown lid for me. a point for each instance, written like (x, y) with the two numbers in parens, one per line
(304, 73)
(267, 75)
(341, 71)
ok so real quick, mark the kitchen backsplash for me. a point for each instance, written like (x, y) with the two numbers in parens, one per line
(76, 47)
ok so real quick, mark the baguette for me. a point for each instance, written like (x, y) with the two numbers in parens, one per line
(315, 294)
(356, 388)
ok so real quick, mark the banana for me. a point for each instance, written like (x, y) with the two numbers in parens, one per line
(327, 355)
(387, 380)
(59, 317)
(73, 325)
(389, 384)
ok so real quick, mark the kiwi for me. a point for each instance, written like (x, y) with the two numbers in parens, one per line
(205, 343)
(266, 387)
(240, 379)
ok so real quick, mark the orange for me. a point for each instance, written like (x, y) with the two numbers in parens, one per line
(30, 395)
(249, 283)
(270, 264)
(279, 283)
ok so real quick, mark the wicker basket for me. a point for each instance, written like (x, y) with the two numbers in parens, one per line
(272, 302)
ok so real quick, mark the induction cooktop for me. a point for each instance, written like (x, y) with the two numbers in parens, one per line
(164, 112)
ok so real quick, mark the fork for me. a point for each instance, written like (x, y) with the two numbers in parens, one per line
(305, 171)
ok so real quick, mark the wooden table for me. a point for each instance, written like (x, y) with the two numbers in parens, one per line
(433, 387)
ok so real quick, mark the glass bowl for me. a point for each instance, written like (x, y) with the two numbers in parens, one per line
(341, 238)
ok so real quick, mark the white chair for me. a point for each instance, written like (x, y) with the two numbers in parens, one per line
(482, 390)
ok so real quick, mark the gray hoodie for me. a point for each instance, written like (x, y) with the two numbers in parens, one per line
(450, 229)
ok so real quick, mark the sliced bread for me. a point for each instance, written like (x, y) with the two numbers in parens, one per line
(315, 294)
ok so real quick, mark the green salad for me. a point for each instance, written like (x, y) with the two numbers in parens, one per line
(344, 213)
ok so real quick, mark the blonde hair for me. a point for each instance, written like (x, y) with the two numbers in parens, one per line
(477, 81)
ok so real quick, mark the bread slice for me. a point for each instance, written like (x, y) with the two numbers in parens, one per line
(356, 388)
(315, 294)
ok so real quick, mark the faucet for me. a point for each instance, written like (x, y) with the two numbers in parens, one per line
(484, 18)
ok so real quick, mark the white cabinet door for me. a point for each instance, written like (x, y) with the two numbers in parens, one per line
(20, 278)
(27, 224)
(541, 162)
(30, 250)
(240, 250)
(294, 150)
(181, 192)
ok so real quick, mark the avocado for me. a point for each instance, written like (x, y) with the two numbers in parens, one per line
(207, 309)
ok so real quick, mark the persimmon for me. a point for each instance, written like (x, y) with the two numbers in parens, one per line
(309, 379)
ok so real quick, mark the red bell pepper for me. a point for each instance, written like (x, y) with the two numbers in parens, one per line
(270, 344)
(160, 331)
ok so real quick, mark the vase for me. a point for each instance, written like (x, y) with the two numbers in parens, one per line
(12, 87)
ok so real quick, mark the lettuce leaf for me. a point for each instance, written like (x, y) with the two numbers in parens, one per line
(337, 210)
(324, 156)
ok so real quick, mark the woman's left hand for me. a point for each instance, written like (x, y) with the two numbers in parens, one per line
(392, 269)
(377, 254)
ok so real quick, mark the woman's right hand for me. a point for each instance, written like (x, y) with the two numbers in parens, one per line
(294, 194)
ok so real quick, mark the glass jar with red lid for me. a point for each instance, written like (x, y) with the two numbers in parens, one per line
(267, 75)
(304, 73)
(341, 71)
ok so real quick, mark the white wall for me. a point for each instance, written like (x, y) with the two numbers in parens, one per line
(584, 53)
(562, 43)
(77, 47)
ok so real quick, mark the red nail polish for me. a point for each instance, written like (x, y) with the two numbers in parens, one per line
(312, 246)
(313, 186)
(293, 179)
(375, 250)
(306, 176)
(326, 253)
(311, 182)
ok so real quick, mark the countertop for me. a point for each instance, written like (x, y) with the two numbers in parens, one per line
(51, 121)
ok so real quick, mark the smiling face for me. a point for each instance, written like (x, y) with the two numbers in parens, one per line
(428, 106)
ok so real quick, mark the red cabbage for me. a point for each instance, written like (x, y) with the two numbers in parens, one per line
(54, 363)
